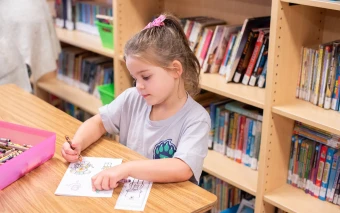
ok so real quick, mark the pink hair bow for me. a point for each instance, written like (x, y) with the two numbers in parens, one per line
(156, 23)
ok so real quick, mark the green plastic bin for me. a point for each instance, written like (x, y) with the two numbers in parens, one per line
(106, 34)
(106, 92)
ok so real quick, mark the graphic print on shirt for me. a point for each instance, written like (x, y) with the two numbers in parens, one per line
(164, 149)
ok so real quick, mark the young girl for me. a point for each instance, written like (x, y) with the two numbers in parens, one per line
(158, 118)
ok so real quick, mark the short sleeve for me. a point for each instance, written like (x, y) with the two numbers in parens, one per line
(193, 147)
(111, 114)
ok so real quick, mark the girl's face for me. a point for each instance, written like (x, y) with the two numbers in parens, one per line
(153, 83)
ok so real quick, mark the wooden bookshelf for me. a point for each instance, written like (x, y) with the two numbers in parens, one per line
(294, 24)
(83, 40)
(231, 172)
(291, 199)
(308, 113)
(247, 94)
(71, 94)
(326, 4)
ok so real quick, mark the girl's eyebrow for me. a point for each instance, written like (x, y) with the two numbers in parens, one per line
(141, 71)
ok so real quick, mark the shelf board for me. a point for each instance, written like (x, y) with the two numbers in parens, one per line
(231, 172)
(308, 113)
(216, 83)
(71, 94)
(291, 199)
(327, 4)
(83, 40)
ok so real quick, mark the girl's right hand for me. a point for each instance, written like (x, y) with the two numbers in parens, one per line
(71, 155)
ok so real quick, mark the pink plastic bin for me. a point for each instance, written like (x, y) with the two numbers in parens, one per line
(43, 149)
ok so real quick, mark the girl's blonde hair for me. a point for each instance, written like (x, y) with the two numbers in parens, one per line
(161, 45)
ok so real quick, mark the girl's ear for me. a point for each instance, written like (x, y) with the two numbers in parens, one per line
(177, 68)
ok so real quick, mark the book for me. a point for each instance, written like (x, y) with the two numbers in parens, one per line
(211, 54)
(244, 109)
(228, 31)
(254, 56)
(248, 25)
(246, 56)
(198, 28)
(330, 81)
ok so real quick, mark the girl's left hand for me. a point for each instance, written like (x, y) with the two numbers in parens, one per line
(108, 178)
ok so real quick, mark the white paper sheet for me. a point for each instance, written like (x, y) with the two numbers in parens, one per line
(77, 178)
(134, 195)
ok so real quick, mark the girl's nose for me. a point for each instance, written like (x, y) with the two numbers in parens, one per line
(139, 85)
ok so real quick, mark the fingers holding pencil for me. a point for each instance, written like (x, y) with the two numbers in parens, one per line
(71, 151)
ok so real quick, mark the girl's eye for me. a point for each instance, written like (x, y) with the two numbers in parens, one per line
(146, 78)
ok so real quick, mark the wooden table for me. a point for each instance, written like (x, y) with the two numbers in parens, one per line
(35, 191)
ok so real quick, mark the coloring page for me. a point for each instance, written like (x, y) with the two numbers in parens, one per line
(77, 178)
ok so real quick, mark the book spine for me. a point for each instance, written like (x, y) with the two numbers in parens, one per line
(318, 75)
(240, 139)
(201, 42)
(230, 135)
(245, 57)
(228, 54)
(302, 163)
(250, 139)
(296, 164)
(216, 129)
(291, 159)
(332, 175)
(300, 72)
(229, 73)
(310, 74)
(335, 183)
(314, 75)
(255, 143)
(303, 73)
(337, 191)
(205, 47)
(335, 94)
(325, 176)
(310, 165)
(325, 71)
(331, 77)
(314, 168)
(322, 162)
(225, 134)
(262, 79)
(246, 145)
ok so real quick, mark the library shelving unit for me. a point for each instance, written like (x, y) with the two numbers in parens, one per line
(294, 23)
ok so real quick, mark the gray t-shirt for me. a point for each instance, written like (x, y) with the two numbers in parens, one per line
(183, 135)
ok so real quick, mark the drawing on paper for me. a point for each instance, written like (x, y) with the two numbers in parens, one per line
(74, 186)
(134, 195)
(135, 189)
(107, 165)
(77, 179)
(81, 168)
